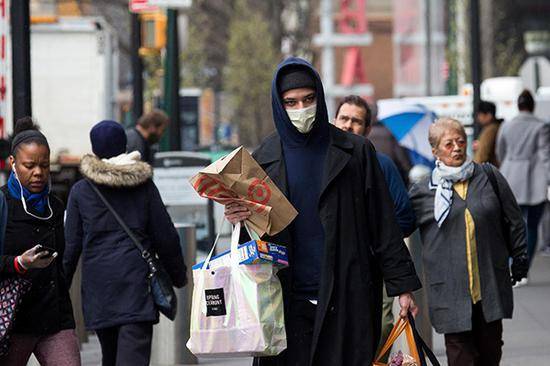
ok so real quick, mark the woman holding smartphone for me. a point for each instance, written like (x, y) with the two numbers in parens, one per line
(33, 240)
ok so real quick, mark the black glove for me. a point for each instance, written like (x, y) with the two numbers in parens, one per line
(520, 267)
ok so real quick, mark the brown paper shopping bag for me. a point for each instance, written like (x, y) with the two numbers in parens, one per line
(238, 177)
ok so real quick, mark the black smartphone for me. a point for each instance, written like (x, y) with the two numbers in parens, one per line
(43, 248)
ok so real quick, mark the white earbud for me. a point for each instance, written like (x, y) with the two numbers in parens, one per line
(14, 170)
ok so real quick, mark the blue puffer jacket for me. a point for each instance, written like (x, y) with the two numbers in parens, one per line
(115, 289)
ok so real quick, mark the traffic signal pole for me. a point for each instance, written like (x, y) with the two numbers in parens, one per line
(137, 68)
(172, 80)
(21, 59)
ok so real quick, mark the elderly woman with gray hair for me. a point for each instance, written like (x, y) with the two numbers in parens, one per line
(470, 226)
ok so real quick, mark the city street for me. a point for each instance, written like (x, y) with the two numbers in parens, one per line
(141, 138)
(526, 337)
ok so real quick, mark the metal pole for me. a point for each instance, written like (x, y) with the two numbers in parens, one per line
(137, 68)
(169, 338)
(21, 59)
(217, 116)
(110, 81)
(537, 74)
(173, 80)
(327, 56)
(475, 53)
(428, 48)
(188, 240)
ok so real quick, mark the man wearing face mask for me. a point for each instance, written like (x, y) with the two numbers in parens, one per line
(147, 133)
(345, 239)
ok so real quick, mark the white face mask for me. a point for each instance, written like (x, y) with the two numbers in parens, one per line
(303, 118)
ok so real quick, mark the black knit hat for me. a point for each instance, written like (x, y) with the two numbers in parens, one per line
(108, 139)
(295, 78)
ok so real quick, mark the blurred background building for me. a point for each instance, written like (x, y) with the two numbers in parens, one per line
(229, 48)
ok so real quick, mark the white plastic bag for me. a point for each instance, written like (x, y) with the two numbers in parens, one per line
(237, 310)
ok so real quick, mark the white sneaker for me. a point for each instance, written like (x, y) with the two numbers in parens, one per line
(524, 281)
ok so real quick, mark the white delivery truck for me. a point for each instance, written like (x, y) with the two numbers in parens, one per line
(74, 80)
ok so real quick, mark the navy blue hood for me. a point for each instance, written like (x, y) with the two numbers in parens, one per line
(288, 133)
(304, 156)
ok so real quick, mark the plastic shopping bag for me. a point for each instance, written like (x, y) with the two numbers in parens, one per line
(418, 349)
(237, 309)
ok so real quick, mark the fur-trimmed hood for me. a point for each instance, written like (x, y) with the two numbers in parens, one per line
(115, 175)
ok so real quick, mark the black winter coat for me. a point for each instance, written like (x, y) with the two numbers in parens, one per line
(46, 308)
(363, 245)
(115, 289)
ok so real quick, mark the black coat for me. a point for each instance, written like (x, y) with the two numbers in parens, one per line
(46, 308)
(363, 245)
(115, 289)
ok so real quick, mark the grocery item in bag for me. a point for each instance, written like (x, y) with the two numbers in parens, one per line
(400, 359)
(252, 252)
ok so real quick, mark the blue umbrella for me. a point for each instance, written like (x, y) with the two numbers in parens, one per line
(409, 123)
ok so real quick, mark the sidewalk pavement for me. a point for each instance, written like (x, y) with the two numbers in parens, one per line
(526, 336)
(91, 356)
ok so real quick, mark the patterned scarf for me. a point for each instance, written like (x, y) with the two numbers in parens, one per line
(442, 180)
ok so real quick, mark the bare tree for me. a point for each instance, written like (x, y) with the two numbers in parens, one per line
(251, 61)
(206, 53)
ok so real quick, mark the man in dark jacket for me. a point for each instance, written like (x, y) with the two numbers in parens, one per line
(147, 133)
(354, 115)
(116, 295)
(345, 238)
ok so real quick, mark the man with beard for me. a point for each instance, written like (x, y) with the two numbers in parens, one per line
(146, 133)
(345, 239)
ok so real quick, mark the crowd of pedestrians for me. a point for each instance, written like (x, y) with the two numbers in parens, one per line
(478, 219)
(43, 245)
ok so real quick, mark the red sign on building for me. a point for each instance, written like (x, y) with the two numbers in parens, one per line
(141, 6)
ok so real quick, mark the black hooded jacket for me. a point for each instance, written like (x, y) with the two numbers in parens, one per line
(362, 242)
